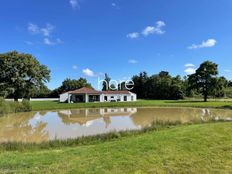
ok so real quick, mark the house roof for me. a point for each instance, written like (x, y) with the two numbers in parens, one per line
(84, 90)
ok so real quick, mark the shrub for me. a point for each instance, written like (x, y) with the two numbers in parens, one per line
(23, 106)
(13, 107)
(4, 107)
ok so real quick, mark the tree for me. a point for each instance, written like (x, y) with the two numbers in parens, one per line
(106, 83)
(164, 86)
(42, 92)
(73, 84)
(20, 72)
(140, 84)
(220, 84)
(204, 80)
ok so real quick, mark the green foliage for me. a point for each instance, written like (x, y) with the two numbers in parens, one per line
(20, 72)
(23, 106)
(13, 107)
(204, 80)
(106, 83)
(219, 86)
(5, 107)
(140, 85)
(165, 87)
(158, 86)
(70, 85)
(228, 92)
(41, 92)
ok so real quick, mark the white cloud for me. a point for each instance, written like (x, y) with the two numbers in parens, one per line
(133, 35)
(114, 4)
(33, 28)
(48, 41)
(148, 30)
(132, 61)
(157, 29)
(74, 4)
(75, 67)
(46, 31)
(88, 72)
(189, 68)
(205, 44)
(160, 24)
(189, 65)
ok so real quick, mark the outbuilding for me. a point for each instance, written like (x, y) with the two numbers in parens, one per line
(86, 95)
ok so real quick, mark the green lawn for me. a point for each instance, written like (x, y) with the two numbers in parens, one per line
(203, 148)
(47, 105)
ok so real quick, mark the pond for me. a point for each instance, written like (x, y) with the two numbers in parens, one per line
(63, 124)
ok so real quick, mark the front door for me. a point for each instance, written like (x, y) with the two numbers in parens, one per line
(125, 98)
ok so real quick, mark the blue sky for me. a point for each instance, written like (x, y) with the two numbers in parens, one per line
(85, 38)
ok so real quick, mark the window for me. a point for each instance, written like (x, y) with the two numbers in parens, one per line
(132, 98)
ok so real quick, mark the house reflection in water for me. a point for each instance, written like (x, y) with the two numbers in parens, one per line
(45, 126)
(86, 117)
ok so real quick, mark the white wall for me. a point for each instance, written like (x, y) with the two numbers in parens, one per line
(118, 96)
(64, 97)
(37, 99)
(115, 97)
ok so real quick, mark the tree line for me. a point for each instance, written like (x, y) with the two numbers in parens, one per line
(163, 86)
(22, 76)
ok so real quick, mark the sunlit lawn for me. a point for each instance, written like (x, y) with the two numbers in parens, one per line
(46, 105)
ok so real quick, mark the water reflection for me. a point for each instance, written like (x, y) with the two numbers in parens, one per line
(19, 128)
(63, 124)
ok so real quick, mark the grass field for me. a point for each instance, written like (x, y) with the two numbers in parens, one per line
(48, 105)
(202, 148)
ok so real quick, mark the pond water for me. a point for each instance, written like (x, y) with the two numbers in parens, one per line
(63, 124)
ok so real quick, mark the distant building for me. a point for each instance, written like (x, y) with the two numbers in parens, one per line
(86, 95)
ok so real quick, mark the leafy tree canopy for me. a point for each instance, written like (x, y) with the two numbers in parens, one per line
(205, 79)
(70, 85)
(20, 72)
(158, 86)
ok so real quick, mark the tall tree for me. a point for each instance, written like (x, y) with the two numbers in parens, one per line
(106, 84)
(20, 72)
(140, 84)
(204, 80)
(164, 86)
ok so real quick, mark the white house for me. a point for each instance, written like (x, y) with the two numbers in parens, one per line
(86, 95)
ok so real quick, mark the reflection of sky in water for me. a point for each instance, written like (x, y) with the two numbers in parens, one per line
(57, 129)
(75, 123)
